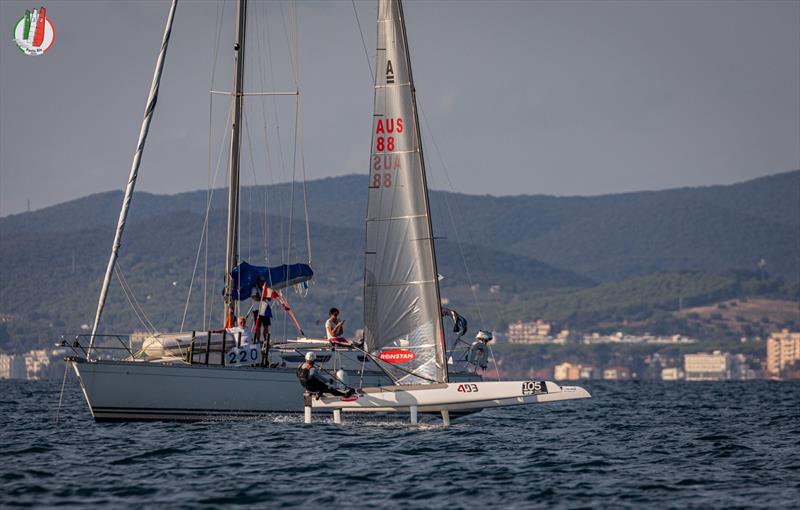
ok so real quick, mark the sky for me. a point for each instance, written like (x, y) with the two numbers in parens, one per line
(537, 97)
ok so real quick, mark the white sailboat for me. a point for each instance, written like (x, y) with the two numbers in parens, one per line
(200, 375)
(401, 297)
(406, 365)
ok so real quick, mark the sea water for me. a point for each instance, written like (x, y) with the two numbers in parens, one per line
(634, 445)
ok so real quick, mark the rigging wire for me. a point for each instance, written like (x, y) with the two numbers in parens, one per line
(363, 43)
(458, 239)
(306, 216)
(252, 159)
(132, 301)
(450, 214)
(267, 149)
(204, 234)
(214, 59)
(281, 158)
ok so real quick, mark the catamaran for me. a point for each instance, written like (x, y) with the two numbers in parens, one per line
(402, 307)
(404, 365)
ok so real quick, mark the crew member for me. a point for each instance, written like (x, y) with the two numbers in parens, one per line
(262, 313)
(240, 329)
(334, 328)
(314, 381)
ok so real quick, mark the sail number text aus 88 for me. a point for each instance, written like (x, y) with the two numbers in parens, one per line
(385, 141)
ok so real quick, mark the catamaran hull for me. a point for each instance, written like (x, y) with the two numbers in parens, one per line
(454, 396)
(142, 391)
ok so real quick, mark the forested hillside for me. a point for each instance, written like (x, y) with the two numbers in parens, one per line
(584, 259)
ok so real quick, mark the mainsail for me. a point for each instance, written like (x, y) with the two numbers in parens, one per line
(402, 309)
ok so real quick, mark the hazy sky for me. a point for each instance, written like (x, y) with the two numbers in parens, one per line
(522, 97)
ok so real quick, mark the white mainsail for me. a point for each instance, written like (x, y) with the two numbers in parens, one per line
(402, 310)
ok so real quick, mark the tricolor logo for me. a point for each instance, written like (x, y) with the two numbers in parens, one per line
(34, 32)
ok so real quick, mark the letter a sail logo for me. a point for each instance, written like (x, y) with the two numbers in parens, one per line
(34, 32)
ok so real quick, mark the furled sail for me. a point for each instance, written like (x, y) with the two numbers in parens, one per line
(402, 310)
(245, 277)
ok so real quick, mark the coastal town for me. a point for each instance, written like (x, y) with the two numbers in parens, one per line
(780, 359)
(777, 358)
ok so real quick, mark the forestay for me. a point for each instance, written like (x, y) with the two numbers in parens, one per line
(402, 310)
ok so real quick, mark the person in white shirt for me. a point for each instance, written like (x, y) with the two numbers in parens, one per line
(240, 329)
(334, 328)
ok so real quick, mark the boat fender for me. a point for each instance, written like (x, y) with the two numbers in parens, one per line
(478, 354)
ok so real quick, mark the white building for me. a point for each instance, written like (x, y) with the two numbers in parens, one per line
(616, 374)
(566, 372)
(783, 350)
(532, 332)
(671, 374)
(715, 366)
(12, 367)
(37, 364)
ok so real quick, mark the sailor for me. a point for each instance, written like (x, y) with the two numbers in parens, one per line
(314, 381)
(262, 313)
(334, 328)
(242, 330)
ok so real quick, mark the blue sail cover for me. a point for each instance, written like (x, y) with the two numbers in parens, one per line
(278, 277)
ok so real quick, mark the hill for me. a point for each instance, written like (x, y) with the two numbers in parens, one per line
(579, 258)
(604, 238)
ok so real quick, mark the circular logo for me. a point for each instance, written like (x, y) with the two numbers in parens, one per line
(34, 32)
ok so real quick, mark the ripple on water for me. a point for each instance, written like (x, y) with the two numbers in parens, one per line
(632, 445)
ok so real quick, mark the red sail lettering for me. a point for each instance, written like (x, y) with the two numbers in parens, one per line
(379, 129)
(376, 163)
(390, 125)
(399, 124)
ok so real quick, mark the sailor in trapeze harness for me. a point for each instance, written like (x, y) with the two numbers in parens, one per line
(314, 381)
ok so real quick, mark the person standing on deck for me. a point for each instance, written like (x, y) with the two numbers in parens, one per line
(262, 313)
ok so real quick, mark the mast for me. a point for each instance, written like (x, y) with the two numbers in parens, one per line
(232, 245)
(134, 173)
(442, 352)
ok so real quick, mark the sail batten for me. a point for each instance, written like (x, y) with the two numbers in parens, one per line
(401, 292)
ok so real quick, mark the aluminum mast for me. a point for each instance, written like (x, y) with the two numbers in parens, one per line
(137, 159)
(232, 246)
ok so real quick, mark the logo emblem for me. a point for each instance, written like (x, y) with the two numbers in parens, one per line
(34, 32)
(397, 356)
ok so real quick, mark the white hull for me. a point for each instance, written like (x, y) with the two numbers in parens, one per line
(136, 390)
(454, 396)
